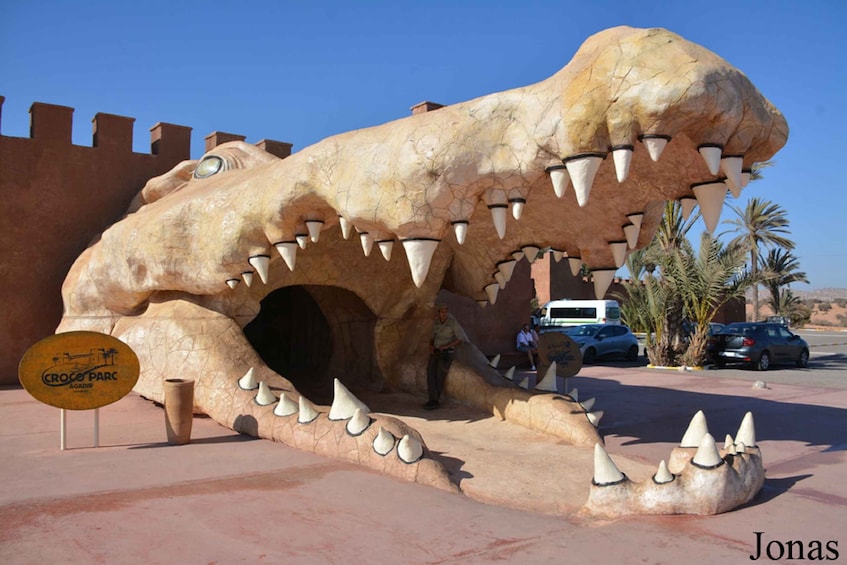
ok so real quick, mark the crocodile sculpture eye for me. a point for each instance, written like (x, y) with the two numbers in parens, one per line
(209, 166)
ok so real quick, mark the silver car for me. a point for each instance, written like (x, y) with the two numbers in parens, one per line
(601, 340)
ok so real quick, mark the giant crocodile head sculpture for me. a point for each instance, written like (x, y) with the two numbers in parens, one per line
(181, 277)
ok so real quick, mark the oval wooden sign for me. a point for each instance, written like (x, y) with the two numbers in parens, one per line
(79, 370)
(558, 347)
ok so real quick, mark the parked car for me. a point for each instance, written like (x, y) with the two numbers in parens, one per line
(688, 329)
(758, 344)
(601, 340)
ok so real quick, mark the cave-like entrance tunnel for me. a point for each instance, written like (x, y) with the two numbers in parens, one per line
(313, 334)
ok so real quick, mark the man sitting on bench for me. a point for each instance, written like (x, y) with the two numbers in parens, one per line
(526, 341)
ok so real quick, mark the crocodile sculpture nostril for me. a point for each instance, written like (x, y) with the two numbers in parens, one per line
(167, 277)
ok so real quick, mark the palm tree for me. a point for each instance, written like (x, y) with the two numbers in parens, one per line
(761, 224)
(779, 269)
(671, 239)
(632, 301)
(652, 304)
(705, 282)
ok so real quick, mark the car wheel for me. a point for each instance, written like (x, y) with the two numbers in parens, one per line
(720, 363)
(764, 361)
(803, 360)
(589, 356)
(632, 354)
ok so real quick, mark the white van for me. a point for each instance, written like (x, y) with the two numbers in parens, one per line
(575, 312)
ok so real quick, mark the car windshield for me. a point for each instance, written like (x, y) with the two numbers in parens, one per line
(584, 330)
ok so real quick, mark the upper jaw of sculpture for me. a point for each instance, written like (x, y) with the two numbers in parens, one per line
(202, 245)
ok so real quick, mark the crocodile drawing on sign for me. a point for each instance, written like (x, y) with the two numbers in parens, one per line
(450, 199)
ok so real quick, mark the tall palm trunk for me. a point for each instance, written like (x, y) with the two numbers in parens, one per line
(754, 271)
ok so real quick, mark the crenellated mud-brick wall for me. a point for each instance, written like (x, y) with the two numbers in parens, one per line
(57, 197)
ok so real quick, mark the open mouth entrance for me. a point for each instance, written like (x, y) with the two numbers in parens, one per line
(313, 334)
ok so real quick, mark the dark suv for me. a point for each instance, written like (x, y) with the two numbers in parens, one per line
(759, 344)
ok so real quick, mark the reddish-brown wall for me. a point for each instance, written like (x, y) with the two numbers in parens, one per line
(57, 197)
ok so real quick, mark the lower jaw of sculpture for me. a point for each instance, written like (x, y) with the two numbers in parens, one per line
(694, 490)
(234, 387)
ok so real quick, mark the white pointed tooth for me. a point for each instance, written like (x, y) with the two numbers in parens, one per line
(530, 252)
(575, 263)
(265, 397)
(248, 277)
(261, 263)
(517, 207)
(711, 154)
(248, 381)
(728, 443)
(745, 177)
(618, 252)
(410, 449)
(288, 252)
(662, 475)
(548, 383)
(622, 155)
(636, 218)
(510, 374)
(710, 198)
(461, 230)
(419, 253)
(344, 404)
(631, 232)
(655, 144)
(746, 431)
(687, 203)
(498, 216)
(494, 361)
(560, 178)
(302, 240)
(232, 283)
(501, 280)
(602, 280)
(697, 428)
(582, 171)
(605, 470)
(367, 242)
(482, 303)
(557, 255)
(307, 412)
(740, 447)
(358, 423)
(345, 227)
(574, 394)
(731, 166)
(491, 290)
(588, 404)
(594, 417)
(383, 442)
(517, 255)
(385, 247)
(507, 268)
(286, 406)
(314, 227)
(707, 453)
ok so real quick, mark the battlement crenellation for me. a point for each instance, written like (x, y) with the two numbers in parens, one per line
(52, 124)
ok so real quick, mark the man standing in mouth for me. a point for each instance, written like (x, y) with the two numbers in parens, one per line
(446, 335)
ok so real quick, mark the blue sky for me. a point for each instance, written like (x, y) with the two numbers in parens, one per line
(301, 71)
